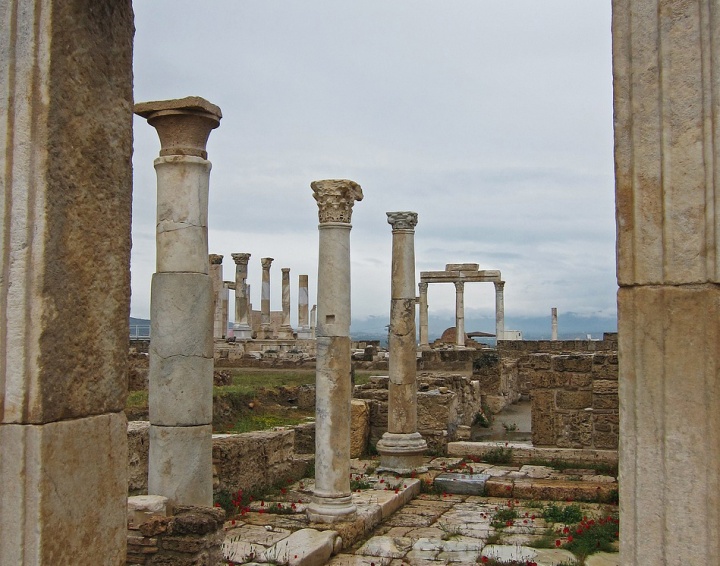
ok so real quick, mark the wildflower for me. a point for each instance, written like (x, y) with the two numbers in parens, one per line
(558, 542)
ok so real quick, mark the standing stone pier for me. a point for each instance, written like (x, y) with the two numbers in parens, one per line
(265, 329)
(553, 322)
(216, 274)
(459, 314)
(303, 331)
(181, 305)
(65, 165)
(332, 498)
(241, 327)
(402, 447)
(313, 322)
(286, 331)
(499, 310)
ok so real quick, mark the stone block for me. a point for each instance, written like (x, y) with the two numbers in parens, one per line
(69, 481)
(549, 379)
(181, 390)
(436, 410)
(605, 387)
(574, 399)
(605, 401)
(574, 429)
(142, 507)
(605, 440)
(574, 363)
(188, 448)
(580, 380)
(466, 484)
(138, 435)
(359, 427)
(543, 417)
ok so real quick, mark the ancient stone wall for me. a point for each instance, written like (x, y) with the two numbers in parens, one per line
(574, 400)
(191, 536)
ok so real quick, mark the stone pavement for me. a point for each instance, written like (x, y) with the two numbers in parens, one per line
(397, 525)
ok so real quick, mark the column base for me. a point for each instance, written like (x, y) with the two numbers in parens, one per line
(266, 333)
(304, 333)
(242, 332)
(402, 453)
(326, 509)
(285, 333)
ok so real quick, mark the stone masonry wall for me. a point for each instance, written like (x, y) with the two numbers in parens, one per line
(574, 400)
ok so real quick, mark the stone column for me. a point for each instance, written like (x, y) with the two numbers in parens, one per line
(266, 262)
(553, 315)
(286, 331)
(241, 328)
(216, 275)
(667, 159)
(332, 499)
(303, 332)
(460, 313)
(499, 310)
(250, 309)
(424, 338)
(65, 165)
(313, 321)
(227, 287)
(181, 345)
(402, 447)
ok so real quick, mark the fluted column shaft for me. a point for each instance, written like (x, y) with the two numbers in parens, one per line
(266, 262)
(401, 448)
(332, 500)
(181, 305)
(459, 313)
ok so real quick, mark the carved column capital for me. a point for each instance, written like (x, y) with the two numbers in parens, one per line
(285, 270)
(423, 286)
(499, 285)
(459, 286)
(215, 259)
(266, 262)
(402, 220)
(183, 124)
(335, 198)
(241, 258)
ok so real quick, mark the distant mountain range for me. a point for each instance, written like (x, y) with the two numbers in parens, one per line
(571, 326)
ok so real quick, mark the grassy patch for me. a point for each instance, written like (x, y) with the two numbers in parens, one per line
(600, 468)
(498, 455)
(137, 400)
(592, 536)
(568, 514)
(253, 422)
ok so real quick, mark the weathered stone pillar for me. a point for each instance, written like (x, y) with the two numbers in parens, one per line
(216, 275)
(499, 310)
(241, 327)
(402, 447)
(424, 338)
(667, 158)
(286, 331)
(181, 345)
(332, 500)
(303, 331)
(227, 287)
(266, 262)
(66, 185)
(313, 321)
(459, 313)
(553, 316)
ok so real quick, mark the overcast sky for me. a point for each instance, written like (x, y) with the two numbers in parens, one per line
(491, 119)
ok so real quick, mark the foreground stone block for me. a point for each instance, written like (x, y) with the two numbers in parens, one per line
(467, 484)
(68, 482)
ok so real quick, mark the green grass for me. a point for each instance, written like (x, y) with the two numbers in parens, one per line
(253, 422)
(137, 400)
(601, 468)
(568, 514)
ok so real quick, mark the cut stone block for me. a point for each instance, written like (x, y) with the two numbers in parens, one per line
(466, 484)
(142, 507)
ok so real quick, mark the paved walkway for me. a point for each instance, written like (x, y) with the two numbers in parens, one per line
(397, 525)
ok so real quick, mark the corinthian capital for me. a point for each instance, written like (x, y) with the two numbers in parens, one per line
(241, 259)
(266, 262)
(335, 198)
(215, 259)
(402, 220)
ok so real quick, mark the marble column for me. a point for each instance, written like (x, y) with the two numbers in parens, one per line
(667, 167)
(266, 331)
(402, 447)
(313, 321)
(553, 316)
(460, 313)
(227, 287)
(181, 345)
(216, 275)
(65, 165)
(424, 338)
(286, 331)
(499, 310)
(241, 328)
(332, 498)
(303, 331)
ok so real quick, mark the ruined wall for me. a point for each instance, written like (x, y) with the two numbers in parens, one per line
(574, 400)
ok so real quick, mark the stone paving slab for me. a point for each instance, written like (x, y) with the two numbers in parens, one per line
(541, 556)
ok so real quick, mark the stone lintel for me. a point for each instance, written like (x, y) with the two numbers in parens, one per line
(462, 267)
(481, 276)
